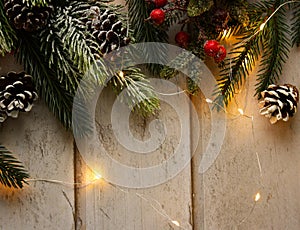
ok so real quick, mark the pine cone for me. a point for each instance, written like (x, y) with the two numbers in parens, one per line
(279, 102)
(24, 16)
(17, 94)
(107, 29)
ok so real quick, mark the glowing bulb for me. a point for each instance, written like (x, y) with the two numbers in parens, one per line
(208, 100)
(121, 74)
(97, 176)
(257, 197)
(241, 111)
(176, 223)
(225, 34)
(262, 26)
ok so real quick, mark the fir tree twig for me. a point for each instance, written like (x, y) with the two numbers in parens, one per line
(139, 94)
(276, 48)
(296, 25)
(138, 11)
(12, 172)
(7, 34)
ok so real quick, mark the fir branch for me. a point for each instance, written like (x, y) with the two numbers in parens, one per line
(12, 172)
(7, 34)
(173, 14)
(138, 11)
(237, 68)
(79, 42)
(139, 94)
(57, 98)
(276, 47)
(58, 58)
(246, 52)
(296, 25)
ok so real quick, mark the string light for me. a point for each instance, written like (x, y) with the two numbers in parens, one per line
(121, 74)
(241, 111)
(176, 223)
(257, 197)
(262, 26)
(96, 177)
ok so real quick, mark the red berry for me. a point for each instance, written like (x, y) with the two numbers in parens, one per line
(182, 38)
(211, 48)
(221, 55)
(160, 3)
(158, 16)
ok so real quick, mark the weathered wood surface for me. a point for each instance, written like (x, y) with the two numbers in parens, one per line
(221, 198)
(46, 150)
(224, 195)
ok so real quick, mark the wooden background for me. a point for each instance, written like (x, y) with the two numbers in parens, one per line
(221, 198)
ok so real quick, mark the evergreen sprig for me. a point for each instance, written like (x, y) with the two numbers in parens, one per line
(138, 11)
(245, 53)
(56, 96)
(79, 42)
(139, 94)
(58, 58)
(296, 25)
(276, 48)
(272, 41)
(7, 34)
(12, 172)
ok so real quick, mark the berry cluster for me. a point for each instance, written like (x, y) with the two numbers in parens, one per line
(213, 49)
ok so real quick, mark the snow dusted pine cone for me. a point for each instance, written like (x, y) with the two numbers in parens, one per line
(107, 29)
(279, 102)
(17, 94)
(24, 16)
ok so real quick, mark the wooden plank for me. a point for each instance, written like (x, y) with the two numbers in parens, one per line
(46, 149)
(226, 191)
(104, 205)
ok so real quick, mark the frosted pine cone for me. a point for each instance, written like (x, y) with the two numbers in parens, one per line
(279, 102)
(107, 29)
(17, 94)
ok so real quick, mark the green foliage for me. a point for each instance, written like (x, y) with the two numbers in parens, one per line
(296, 25)
(53, 48)
(7, 34)
(79, 42)
(272, 41)
(59, 56)
(12, 173)
(198, 7)
(57, 98)
(139, 94)
(138, 11)
(276, 46)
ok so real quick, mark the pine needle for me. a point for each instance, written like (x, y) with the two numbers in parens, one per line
(12, 172)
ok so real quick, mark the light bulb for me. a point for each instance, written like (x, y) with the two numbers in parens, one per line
(257, 197)
(121, 74)
(176, 223)
(241, 111)
(262, 26)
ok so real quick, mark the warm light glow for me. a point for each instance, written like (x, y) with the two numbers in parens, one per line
(121, 74)
(176, 223)
(208, 100)
(241, 111)
(97, 176)
(257, 197)
(262, 26)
